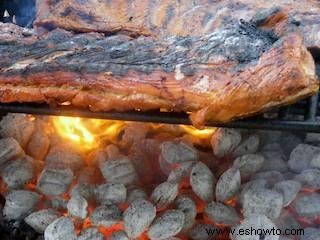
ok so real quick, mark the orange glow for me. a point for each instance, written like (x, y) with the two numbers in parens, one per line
(86, 133)
(232, 202)
(107, 232)
(199, 133)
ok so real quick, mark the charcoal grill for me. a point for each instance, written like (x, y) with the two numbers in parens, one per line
(302, 116)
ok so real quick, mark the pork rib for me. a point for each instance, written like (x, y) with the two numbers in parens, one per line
(173, 17)
(235, 71)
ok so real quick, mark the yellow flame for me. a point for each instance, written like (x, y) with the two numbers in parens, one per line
(86, 133)
(199, 133)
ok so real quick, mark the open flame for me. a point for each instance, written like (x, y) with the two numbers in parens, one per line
(205, 133)
(84, 132)
(87, 133)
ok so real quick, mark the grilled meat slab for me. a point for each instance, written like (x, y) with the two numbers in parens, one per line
(235, 71)
(160, 18)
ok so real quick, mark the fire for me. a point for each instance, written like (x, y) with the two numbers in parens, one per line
(205, 133)
(86, 133)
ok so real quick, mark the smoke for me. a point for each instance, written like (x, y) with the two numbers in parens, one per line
(23, 10)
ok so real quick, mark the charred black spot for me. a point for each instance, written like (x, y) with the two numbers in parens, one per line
(295, 22)
(49, 26)
(87, 17)
(66, 12)
(119, 54)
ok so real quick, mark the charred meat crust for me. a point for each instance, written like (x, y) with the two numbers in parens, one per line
(175, 18)
(235, 71)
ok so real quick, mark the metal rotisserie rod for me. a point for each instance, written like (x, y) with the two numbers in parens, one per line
(309, 125)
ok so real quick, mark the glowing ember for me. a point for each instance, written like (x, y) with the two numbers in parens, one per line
(86, 133)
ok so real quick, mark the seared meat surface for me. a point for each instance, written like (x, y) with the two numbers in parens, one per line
(161, 18)
(237, 70)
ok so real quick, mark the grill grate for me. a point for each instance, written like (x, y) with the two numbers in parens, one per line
(302, 116)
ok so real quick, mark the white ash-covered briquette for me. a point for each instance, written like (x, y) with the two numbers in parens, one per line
(309, 178)
(310, 233)
(263, 202)
(173, 152)
(54, 181)
(119, 235)
(251, 186)
(248, 145)
(274, 161)
(60, 229)
(181, 172)
(315, 162)
(138, 217)
(17, 126)
(84, 190)
(91, 233)
(289, 190)
(40, 220)
(202, 181)
(189, 209)
(268, 136)
(202, 231)
(248, 164)
(77, 207)
(255, 222)
(106, 216)
(220, 213)
(9, 149)
(272, 147)
(39, 143)
(228, 184)
(119, 170)
(134, 193)
(64, 156)
(19, 172)
(224, 141)
(301, 157)
(103, 154)
(169, 224)
(19, 204)
(272, 177)
(289, 141)
(110, 193)
(164, 194)
(307, 204)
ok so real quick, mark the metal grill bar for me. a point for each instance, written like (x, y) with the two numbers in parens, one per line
(298, 117)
